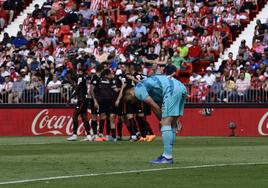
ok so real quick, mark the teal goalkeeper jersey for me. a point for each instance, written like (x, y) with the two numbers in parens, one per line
(157, 87)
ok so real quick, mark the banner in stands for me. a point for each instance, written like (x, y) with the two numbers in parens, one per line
(195, 122)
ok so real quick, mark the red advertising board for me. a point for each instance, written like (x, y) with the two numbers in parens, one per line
(58, 122)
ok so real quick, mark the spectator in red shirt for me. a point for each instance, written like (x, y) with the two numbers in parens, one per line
(230, 59)
(3, 17)
(195, 51)
(225, 34)
(10, 6)
(60, 14)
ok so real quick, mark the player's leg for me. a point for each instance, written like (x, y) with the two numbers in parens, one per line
(87, 127)
(147, 112)
(132, 126)
(100, 137)
(83, 112)
(112, 124)
(167, 140)
(113, 114)
(175, 126)
(130, 120)
(144, 126)
(93, 117)
(75, 124)
(120, 113)
(103, 112)
(172, 108)
(139, 118)
(102, 117)
(145, 129)
(102, 123)
(94, 124)
(108, 124)
(120, 127)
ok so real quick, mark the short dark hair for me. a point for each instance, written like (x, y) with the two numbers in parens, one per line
(99, 68)
(105, 72)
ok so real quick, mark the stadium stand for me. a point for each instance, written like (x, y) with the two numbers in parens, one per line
(9, 10)
(59, 38)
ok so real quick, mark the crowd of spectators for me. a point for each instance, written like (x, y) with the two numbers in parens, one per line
(164, 36)
(241, 78)
(9, 9)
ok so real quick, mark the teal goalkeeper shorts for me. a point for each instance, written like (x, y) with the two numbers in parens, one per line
(173, 102)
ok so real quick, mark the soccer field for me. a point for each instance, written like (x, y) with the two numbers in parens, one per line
(201, 162)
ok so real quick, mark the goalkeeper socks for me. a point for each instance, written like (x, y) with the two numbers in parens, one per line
(173, 134)
(119, 128)
(94, 126)
(167, 139)
(101, 126)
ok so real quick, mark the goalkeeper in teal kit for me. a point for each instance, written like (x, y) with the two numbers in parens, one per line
(166, 97)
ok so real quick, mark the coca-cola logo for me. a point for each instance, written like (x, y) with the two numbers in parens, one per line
(44, 124)
(263, 125)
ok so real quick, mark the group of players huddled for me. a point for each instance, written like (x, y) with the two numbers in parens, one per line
(105, 98)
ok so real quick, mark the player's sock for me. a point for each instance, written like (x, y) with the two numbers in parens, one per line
(143, 126)
(101, 126)
(87, 127)
(133, 126)
(119, 128)
(174, 135)
(167, 139)
(94, 126)
(108, 126)
(113, 132)
(75, 126)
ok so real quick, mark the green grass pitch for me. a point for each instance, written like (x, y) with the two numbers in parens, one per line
(26, 158)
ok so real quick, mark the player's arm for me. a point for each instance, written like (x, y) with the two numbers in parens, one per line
(77, 87)
(120, 95)
(172, 75)
(133, 78)
(142, 94)
(154, 107)
(92, 87)
(74, 93)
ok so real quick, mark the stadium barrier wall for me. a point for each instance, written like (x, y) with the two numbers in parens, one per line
(48, 121)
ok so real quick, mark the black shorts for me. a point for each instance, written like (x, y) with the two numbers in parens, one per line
(130, 108)
(82, 106)
(114, 109)
(120, 108)
(105, 106)
(143, 108)
(92, 107)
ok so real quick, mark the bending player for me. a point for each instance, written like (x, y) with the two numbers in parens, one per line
(170, 94)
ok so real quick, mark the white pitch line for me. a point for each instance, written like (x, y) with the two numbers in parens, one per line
(20, 144)
(130, 172)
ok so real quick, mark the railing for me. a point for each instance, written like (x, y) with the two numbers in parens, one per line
(37, 95)
(196, 95)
